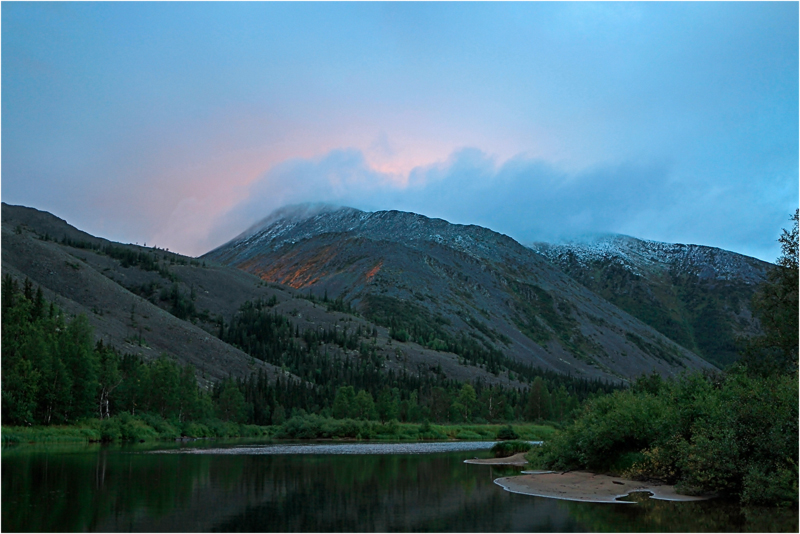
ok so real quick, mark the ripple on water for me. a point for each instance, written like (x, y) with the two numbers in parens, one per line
(340, 448)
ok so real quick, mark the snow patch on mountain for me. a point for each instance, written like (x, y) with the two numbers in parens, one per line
(641, 257)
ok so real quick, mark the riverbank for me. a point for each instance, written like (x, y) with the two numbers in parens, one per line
(127, 428)
(586, 487)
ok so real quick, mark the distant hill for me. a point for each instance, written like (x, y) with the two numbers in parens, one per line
(697, 296)
(447, 285)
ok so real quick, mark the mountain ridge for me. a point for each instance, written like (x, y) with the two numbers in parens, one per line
(698, 296)
(132, 304)
(474, 279)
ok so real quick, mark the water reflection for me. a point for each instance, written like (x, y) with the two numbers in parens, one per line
(120, 489)
(340, 448)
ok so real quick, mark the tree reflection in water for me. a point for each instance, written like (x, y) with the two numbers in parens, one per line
(119, 489)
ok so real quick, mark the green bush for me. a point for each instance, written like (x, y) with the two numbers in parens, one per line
(736, 436)
(135, 429)
(389, 429)
(110, 430)
(195, 430)
(507, 432)
(510, 448)
(163, 428)
(427, 431)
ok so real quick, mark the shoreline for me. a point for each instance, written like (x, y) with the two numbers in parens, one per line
(583, 486)
(516, 459)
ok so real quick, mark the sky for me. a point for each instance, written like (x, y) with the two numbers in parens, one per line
(181, 124)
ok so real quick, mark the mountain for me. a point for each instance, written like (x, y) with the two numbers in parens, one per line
(82, 275)
(697, 296)
(461, 288)
(149, 301)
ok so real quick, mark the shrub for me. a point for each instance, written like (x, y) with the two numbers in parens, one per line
(134, 429)
(510, 448)
(507, 432)
(468, 434)
(195, 430)
(735, 436)
(110, 430)
(427, 431)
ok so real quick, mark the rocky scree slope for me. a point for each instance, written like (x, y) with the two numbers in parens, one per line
(149, 301)
(698, 296)
(443, 283)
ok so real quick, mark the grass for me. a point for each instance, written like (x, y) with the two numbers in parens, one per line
(48, 434)
(127, 428)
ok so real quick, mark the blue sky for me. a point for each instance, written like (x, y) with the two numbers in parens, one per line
(180, 124)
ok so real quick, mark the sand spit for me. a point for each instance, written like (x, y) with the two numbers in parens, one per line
(517, 459)
(586, 487)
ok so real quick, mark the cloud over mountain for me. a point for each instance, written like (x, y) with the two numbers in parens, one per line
(527, 198)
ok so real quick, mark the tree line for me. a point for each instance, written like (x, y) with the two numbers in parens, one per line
(54, 373)
(411, 395)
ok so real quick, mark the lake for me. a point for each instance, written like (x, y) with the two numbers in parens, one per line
(315, 487)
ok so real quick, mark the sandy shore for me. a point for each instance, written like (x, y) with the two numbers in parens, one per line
(584, 486)
(517, 459)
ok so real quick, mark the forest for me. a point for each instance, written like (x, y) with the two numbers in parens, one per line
(55, 374)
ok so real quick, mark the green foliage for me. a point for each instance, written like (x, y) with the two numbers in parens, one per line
(538, 401)
(509, 448)
(388, 405)
(364, 406)
(48, 434)
(269, 336)
(231, 405)
(180, 305)
(342, 404)
(132, 257)
(707, 434)
(507, 433)
(776, 305)
(54, 374)
(735, 434)
(313, 426)
(49, 367)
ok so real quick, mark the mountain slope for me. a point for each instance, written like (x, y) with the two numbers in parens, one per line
(697, 296)
(449, 285)
(149, 301)
(84, 281)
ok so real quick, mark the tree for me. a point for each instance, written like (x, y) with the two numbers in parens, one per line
(388, 404)
(278, 415)
(109, 376)
(776, 305)
(343, 402)
(467, 399)
(364, 406)
(75, 350)
(539, 400)
(231, 403)
(438, 402)
(188, 397)
(20, 388)
(163, 391)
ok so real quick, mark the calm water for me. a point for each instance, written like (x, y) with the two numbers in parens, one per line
(219, 486)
